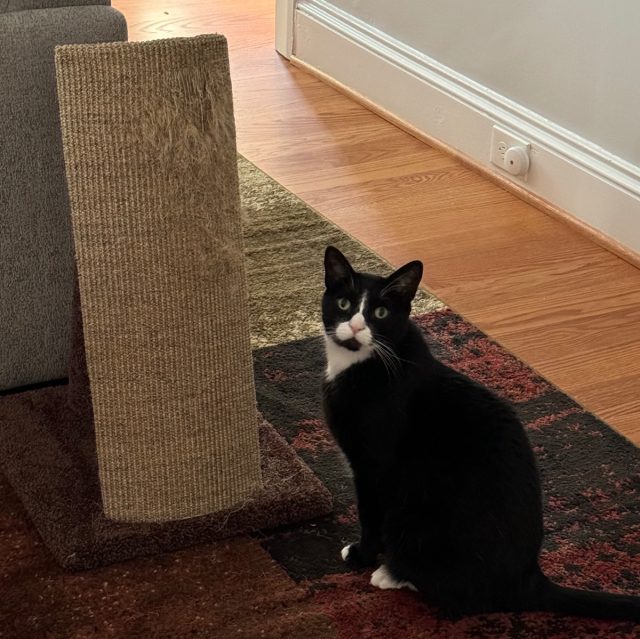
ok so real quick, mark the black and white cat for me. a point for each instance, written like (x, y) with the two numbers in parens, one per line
(447, 485)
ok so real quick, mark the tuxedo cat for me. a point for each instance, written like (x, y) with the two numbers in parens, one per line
(447, 485)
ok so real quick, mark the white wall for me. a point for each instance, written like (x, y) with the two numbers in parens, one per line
(575, 62)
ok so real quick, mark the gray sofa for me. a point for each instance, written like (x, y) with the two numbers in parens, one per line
(36, 254)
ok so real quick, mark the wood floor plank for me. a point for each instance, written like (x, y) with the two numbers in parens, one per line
(555, 299)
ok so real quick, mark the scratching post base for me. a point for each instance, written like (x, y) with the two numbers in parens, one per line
(57, 481)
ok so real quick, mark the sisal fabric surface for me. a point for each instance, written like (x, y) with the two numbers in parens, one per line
(149, 143)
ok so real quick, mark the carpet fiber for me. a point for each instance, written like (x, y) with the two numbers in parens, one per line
(291, 583)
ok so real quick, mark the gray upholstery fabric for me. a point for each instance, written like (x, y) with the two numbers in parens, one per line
(27, 5)
(36, 256)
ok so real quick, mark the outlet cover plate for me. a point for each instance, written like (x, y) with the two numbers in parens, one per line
(501, 140)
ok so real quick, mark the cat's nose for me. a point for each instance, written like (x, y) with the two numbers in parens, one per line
(356, 323)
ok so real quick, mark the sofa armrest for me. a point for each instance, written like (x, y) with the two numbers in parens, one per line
(36, 263)
(7, 6)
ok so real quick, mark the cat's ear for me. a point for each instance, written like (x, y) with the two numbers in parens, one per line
(336, 268)
(405, 281)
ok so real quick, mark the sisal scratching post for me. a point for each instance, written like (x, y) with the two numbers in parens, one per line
(149, 144)
(155, 443)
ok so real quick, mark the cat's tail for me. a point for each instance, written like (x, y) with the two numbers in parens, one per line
(551, 597)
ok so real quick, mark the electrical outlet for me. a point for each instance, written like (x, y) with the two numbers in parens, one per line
(501, 142)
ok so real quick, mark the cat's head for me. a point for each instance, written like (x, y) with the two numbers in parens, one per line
(359, 310)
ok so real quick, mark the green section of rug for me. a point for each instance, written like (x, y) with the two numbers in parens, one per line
(284, 242)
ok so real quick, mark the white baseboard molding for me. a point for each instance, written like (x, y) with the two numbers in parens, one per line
(568, 173)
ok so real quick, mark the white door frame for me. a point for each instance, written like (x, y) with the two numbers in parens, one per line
(285, 10)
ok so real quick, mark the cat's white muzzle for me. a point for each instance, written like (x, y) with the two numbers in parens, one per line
(354, 330)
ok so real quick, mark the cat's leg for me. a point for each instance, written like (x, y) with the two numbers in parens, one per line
(383, 579)
(361, 554)
(364, 553)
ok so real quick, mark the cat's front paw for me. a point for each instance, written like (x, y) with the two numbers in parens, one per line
(383, 579)
(355, 557)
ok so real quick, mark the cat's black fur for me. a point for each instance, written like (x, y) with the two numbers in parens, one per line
(447, 484)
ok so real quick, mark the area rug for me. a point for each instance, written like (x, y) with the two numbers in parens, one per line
(291, 583)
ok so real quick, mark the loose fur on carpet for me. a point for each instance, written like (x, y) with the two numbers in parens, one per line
(291, 583)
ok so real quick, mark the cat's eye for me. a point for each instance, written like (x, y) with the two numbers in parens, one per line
(344, 304)
(381, 312)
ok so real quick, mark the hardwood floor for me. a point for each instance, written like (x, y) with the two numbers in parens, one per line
(558, 301)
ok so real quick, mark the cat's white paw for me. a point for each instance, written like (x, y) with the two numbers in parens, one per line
(344, 553)
(383, 579)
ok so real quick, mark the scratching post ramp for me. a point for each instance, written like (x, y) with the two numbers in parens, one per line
(149, 143)
(155, 443)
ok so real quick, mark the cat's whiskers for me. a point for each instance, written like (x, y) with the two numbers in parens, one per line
(388, 358)
(383, 358)
(395, 355)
